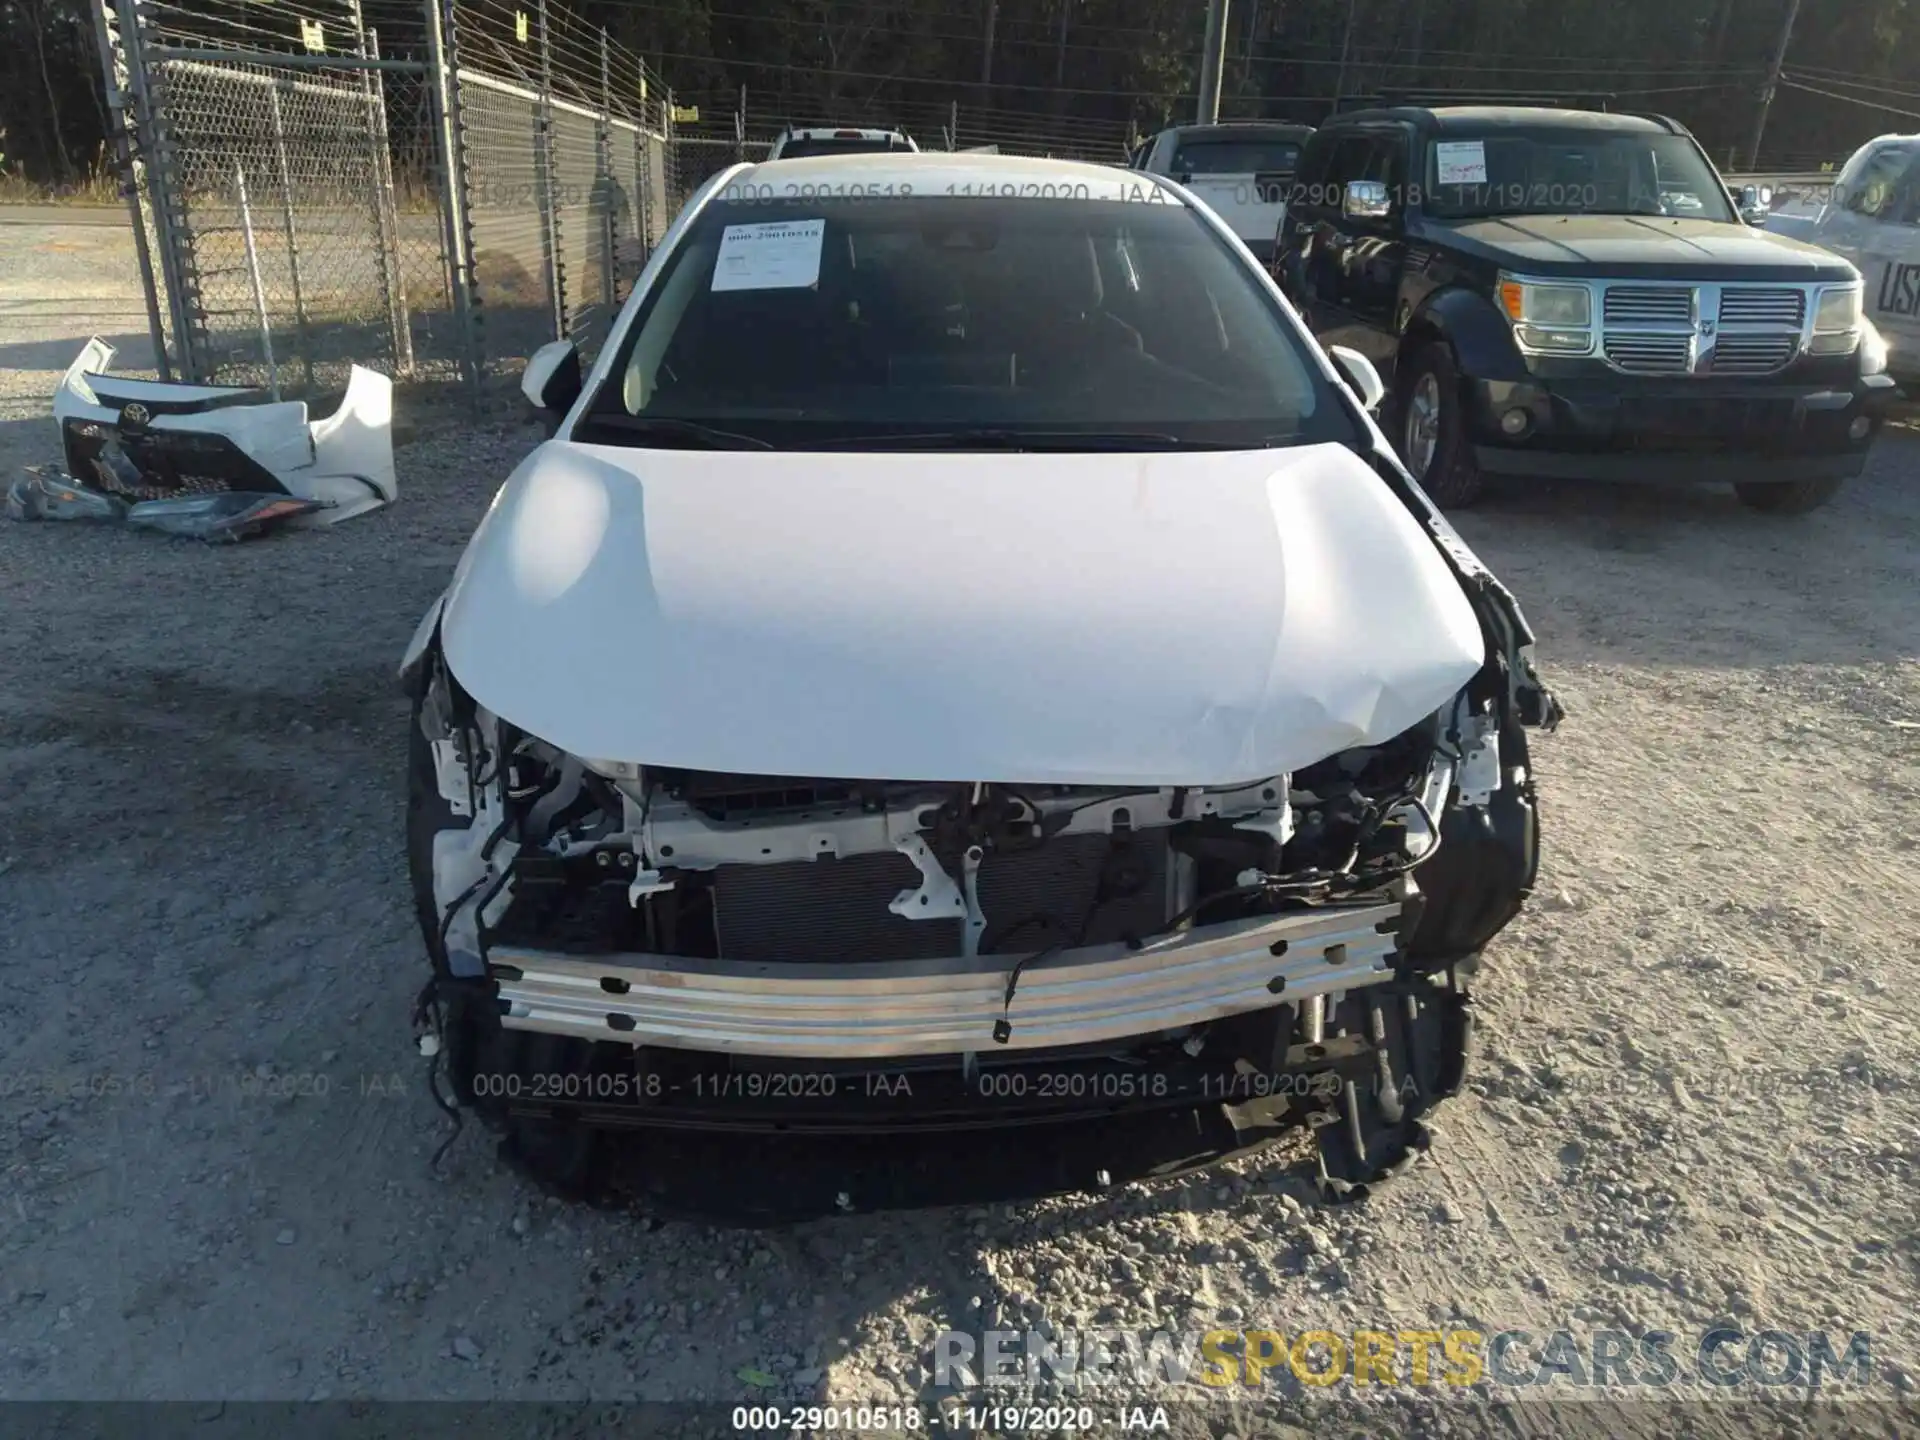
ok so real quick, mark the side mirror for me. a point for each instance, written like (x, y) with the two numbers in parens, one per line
(1365, 200)
(1756, 203)
(551, 382)
(1360, 374)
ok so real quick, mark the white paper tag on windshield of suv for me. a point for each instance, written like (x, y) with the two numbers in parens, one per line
(1460, 162)
(778, 255)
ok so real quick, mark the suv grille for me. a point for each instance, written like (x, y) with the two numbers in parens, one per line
(1744, 305)
(1737, 354)
(1648, 305)
(1649, 354)
(1672, 329)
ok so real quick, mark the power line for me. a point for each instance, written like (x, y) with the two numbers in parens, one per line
(1853, 99)
(1879, 87)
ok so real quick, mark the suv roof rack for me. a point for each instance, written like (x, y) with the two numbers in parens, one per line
(1556, 99)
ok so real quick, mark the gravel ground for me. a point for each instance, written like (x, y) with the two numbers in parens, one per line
(1695, 1100)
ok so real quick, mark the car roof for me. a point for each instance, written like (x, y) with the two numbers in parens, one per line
(959, 167)
(1447, 118)
(829, 132)
(1237, 129)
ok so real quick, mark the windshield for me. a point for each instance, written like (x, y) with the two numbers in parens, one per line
(798, 147)
(1235, 157)
(1075, 324)
(1571, 172)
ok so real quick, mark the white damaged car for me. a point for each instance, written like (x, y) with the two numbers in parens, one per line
(966, 704)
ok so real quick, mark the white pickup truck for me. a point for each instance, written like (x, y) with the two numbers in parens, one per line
(1241, 170)
(1872, 217)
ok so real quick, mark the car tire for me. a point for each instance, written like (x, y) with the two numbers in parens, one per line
(1787, 497)
(488, 1065)
(1439, 457)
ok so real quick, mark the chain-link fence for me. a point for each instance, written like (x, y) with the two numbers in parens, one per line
(307, 203)
(436, 194)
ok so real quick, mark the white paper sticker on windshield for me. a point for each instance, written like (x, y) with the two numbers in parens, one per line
(780, 255)
(1460, 162)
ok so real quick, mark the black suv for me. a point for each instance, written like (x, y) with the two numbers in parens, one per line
(1567, 293)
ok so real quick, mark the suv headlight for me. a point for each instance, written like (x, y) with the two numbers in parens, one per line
(1836, 320)
(1548, 319)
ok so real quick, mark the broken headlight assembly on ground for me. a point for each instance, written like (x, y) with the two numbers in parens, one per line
(219, 463)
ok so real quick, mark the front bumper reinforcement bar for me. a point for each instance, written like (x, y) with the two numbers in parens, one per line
(1094, 995)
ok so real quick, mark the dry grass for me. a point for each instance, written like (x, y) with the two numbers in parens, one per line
(96, 185)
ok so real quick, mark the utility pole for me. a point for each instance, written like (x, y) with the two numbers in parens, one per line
(986, 51)
(1060, 54)
(1213, 59)
(1773, 83)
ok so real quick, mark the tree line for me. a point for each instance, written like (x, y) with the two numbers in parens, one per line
(1850, 70)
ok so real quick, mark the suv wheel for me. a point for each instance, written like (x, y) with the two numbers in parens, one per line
(1786, 497)
(1432, 429)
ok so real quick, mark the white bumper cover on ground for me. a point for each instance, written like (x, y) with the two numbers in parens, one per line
(343, 464)
(1094, 995)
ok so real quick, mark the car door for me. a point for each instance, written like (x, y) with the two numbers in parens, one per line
(1355, 268)
(1303, 224)
(1889, 259)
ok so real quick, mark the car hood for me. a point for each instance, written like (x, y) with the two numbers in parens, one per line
(1127, 619)
(1648, 245)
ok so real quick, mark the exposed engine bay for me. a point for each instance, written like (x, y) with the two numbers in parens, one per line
(612, 858)
(742, 951)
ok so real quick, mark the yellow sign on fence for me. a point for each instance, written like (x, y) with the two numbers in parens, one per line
(520, 26)
(313, 35)
(686, 114)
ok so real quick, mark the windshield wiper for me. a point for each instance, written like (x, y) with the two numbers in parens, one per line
(995, 438)
(675, 434)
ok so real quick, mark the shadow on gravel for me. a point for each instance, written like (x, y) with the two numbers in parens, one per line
(1691, 578)
(135, 353)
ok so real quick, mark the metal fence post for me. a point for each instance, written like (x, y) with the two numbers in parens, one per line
(386, 219)
(259, 291)
(645, 142)
(183, 294)
(603, 160)
(285, 175)
(449, 143)
(669, 159)
(129, 165)
(543, 181)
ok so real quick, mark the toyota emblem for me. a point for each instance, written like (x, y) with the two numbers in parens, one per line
(134, 416)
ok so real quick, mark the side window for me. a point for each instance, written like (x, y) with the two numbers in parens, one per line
(1906, 200)
(1872, 191)
(1375, 155)
(1350, 159)
(1308, 191)
(1385, 162)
